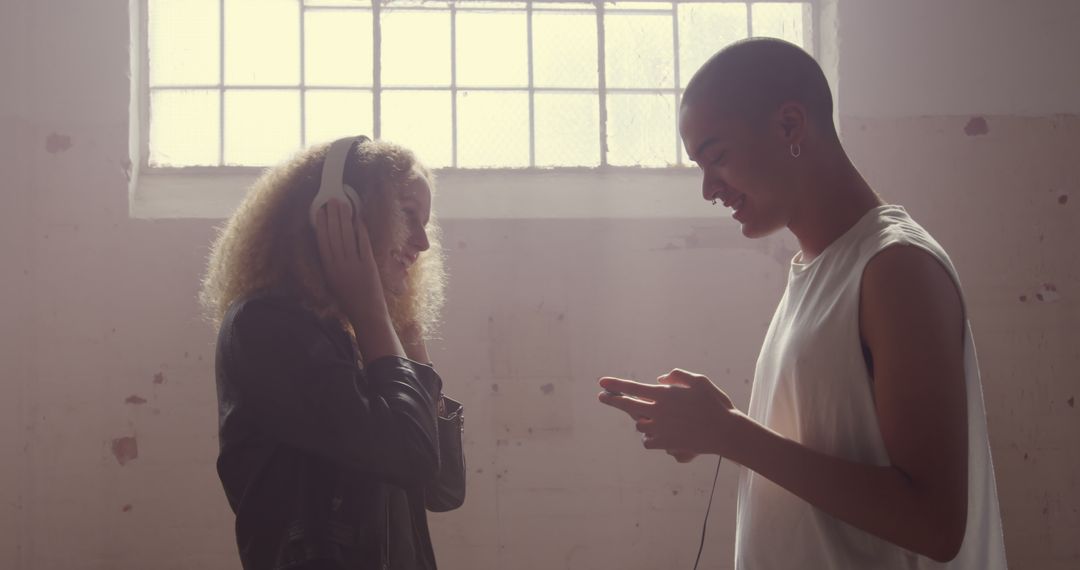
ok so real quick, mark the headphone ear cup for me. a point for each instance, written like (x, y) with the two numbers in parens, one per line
(354, 201)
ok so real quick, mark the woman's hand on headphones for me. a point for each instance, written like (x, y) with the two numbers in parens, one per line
(349, 263)
(353, 277)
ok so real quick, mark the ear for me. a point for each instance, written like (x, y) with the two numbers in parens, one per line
(791, 121)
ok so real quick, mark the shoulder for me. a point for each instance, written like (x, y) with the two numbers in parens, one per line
(906, 285)
(266, 309)
(266, 320)
(907, 269)
(279, 331)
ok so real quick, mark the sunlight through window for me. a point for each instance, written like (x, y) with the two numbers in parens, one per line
(466, 84)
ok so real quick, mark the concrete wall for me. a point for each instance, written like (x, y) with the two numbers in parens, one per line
(925, 58)
(16, 249)
(109, 411)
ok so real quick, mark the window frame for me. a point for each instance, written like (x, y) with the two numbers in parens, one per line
(159, 191)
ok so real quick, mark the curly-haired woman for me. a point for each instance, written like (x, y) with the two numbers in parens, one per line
(335, 435)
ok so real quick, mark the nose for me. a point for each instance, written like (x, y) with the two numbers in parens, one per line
(709, 188)
(420, 240)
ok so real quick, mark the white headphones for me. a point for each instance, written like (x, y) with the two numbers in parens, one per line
(333, 177)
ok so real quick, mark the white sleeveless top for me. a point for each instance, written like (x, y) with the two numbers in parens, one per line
(812, 386)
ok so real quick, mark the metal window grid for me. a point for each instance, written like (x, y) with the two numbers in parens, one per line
(375, 7)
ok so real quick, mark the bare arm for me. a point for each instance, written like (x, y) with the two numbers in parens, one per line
(912, 321)
(412, 340)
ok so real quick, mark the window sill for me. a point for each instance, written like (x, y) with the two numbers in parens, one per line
(462, 194)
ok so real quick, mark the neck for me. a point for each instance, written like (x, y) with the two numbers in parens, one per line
(835, 197)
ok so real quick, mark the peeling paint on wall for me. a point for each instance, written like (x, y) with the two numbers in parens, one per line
(1048, 293)
(57, 143)
(976, 126)
(125, 449)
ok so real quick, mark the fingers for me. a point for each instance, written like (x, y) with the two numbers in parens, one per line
(680, 377)
(334, 230)
(653, 442)
(348, 232)
(650, 392)
(645, 425)
(682, 456)
(635, 408)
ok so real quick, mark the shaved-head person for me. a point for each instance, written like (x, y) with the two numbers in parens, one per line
(865, 441)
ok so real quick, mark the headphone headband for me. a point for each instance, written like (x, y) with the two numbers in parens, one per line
(333, 175)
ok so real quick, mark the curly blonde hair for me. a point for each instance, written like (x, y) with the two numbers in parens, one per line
(269, 245)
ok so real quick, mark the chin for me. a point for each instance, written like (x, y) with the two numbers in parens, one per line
(393, 284)
(757, 230)
(397, 288)
(759, 221)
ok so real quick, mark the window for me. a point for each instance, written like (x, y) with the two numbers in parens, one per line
(466, 84)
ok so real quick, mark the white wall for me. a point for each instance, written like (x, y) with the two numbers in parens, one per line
(926, 57)
(16, 247)
(105, 312)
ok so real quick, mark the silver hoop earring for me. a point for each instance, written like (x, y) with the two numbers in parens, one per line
(796, 150)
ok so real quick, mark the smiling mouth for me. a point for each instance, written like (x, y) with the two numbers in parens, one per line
(406, 261)
(737, 203)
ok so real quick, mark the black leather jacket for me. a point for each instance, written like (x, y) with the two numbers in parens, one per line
(327, 464)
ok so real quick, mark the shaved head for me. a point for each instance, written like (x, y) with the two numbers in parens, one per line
(752, 78)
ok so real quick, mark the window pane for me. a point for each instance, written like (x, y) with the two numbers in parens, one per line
(638, 50)
(482, 4)
(631, 6)
(338, 48)
(345, 3)
(493, 129)
(567, 129)
(184, 42)
(641, 129)
(784, 21)
(564, 50)
(431, 4)
(261, 127)
(419, 120)
(331, 115)
(184, 128)
(492, 50)
(262, 42)
(578, 6)
(705, 29)
(415, 48)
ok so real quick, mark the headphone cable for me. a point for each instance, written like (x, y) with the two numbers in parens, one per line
(705, 524)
